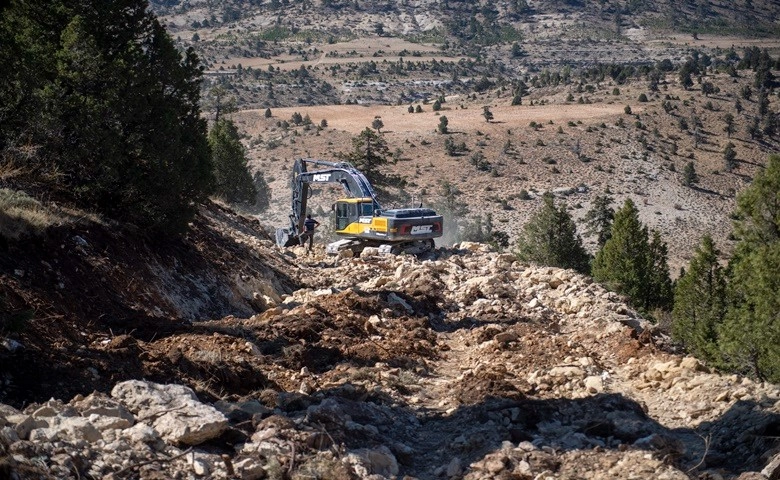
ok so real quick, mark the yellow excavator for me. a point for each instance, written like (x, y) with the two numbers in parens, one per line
(360, 220)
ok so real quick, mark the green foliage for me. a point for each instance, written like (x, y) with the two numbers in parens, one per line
(436, 105)
(550, 238)
(369, 153)
(707, 88)
(599, 219)
(263, 197)
(377, 124)
(750, 336)
(689, 176)
(642, 97)
(729, 157)
(685, 76)
(728, 119)
(632, 265)
(111, 106)
(443, 122)
(700, 303)
(220, 102)
(487, 113)
(484, 232)
(478, 160)
(232, 179)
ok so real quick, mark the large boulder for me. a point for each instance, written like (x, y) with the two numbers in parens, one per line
(172, 410)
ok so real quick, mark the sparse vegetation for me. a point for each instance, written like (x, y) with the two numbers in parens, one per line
(550, 238)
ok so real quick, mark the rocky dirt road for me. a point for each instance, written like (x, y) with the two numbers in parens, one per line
(466, 364)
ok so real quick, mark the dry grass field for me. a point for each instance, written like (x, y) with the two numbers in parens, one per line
(535, 159)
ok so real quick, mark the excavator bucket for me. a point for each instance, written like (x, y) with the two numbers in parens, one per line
(284, 239)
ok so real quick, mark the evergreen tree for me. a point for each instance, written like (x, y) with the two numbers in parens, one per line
(233, 181)
(689, 175)
(263, 197)
(112, 107)
(377, 124)
(599, 219)
(729, 128)
(631, 265)
(550, 238)
(487, 114)
(220, 102)
(750, 337)
(369, 153)
(729, 157)
(700, 302)
(659, 293)
(443, 122)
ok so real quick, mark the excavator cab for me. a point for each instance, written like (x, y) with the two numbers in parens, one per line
(353, 215)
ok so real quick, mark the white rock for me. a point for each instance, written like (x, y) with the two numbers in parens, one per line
(380, 461)
(394, 299)
(141, 433)
(566, 371)
(249, 469)
(594, 384)
(173, 410)
(75, 428)
(201, 467)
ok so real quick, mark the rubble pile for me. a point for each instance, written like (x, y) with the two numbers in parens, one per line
(464, 364)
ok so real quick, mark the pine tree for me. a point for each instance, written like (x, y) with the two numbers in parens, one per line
(659, 293)
(550, 238)
(114, 108)
(729, 157)
(599, 219)
(443, 122)
(631, 265)
(750, 337)
(369, 153)
(233, 181)
(487, 113)
(700, 302)
(689, 176)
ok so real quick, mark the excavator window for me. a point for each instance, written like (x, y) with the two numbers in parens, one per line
(367, 209)
(346, 213)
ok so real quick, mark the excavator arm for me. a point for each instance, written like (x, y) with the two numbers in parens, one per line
(355, 184)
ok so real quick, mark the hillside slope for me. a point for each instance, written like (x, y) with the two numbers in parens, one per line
(87, 286)
(465, 364)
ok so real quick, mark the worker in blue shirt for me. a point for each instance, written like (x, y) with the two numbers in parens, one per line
(308, 231)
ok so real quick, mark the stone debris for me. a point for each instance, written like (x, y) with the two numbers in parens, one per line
(463, 364)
